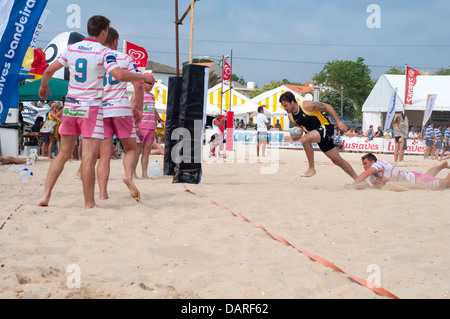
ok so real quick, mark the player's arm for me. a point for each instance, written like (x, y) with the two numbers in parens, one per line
(137, 102)
(312, 106)
(362, 177)
(127, 76)
(46, 77)
(159, 119)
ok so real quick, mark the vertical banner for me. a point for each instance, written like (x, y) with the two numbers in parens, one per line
(17, 26)
(429, 108)
(411, 78)
(226, 71)
(391, 110)
(230, 130)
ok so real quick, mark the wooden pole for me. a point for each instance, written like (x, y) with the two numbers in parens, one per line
(176, 37)
(191, 37)
(231, 79)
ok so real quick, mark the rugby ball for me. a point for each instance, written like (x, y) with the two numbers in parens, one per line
(296, 132)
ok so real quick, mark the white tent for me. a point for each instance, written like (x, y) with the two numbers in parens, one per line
(251, 109)
(271, 101)
(376, 105)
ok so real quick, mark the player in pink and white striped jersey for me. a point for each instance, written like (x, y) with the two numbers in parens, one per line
(380, 172)
(118, 120)
(87, 61)
(147, 127)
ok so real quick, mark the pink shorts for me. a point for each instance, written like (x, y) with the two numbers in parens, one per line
(147, 135)
(86, 121)
(426, 180)
(122, 126)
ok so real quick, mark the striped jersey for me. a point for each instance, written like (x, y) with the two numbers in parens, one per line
(447, 135)
(386, 170)
(87, 61)
(148, 114)
(438, 134)
(115, 98)
(428, 132)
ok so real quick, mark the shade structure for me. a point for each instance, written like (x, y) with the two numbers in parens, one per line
(30, 91)
(251, 109)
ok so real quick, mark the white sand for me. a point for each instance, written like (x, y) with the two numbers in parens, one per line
(177, 244)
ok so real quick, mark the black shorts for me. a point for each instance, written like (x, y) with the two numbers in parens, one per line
(326, 137)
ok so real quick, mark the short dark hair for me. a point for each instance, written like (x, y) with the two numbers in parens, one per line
(260, 108)
(97, 24)
(370, 157)
(112, 36)
(287, 97)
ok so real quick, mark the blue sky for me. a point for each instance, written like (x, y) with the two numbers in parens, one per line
(276, 39)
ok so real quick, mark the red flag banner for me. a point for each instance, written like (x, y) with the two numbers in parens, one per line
(226, 71)
(138, 54)
(39, 63)
(411, 78)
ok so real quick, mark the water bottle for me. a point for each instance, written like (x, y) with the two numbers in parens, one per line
(25, 174)
(154, 170)
(17, 167)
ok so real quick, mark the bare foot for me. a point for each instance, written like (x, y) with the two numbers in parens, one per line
(310, 172)
(446, 165)
(43, 203)
(134, 192)
(104, 197)
(92, 206)
(44, 200)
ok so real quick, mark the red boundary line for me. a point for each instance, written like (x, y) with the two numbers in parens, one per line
(362, 282)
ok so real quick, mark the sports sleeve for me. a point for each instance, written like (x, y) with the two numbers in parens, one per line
(378, 166)
(63, 58)
(132, 67)
(109, 60)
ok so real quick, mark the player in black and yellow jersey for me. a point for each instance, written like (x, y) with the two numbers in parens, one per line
(309, 115)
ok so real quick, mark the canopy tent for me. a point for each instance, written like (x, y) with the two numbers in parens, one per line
(270, 99)
(376, 105)
(230, 97)
(30, 91)
(251, 109)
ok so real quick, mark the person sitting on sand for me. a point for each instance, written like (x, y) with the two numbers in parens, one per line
(380, 172)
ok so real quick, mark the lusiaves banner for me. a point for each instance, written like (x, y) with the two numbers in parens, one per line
(18, 20)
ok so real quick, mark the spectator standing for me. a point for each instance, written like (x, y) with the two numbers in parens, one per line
(438, 136)
(262, 124)
(429, 141)
(400, 126)
(446, 142)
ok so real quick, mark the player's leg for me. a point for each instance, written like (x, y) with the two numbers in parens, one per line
(307, 140)
(436, 169)
(336, 158)
(129, 165)
(104, 167)
(57, 166)
(91, 148)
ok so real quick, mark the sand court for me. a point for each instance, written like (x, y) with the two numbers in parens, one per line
(185, 241)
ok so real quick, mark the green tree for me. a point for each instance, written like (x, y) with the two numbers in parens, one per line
(443, 71)
(395, 70)
(355, 76)
(333, 97)
(213, 79)
(272, 85)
